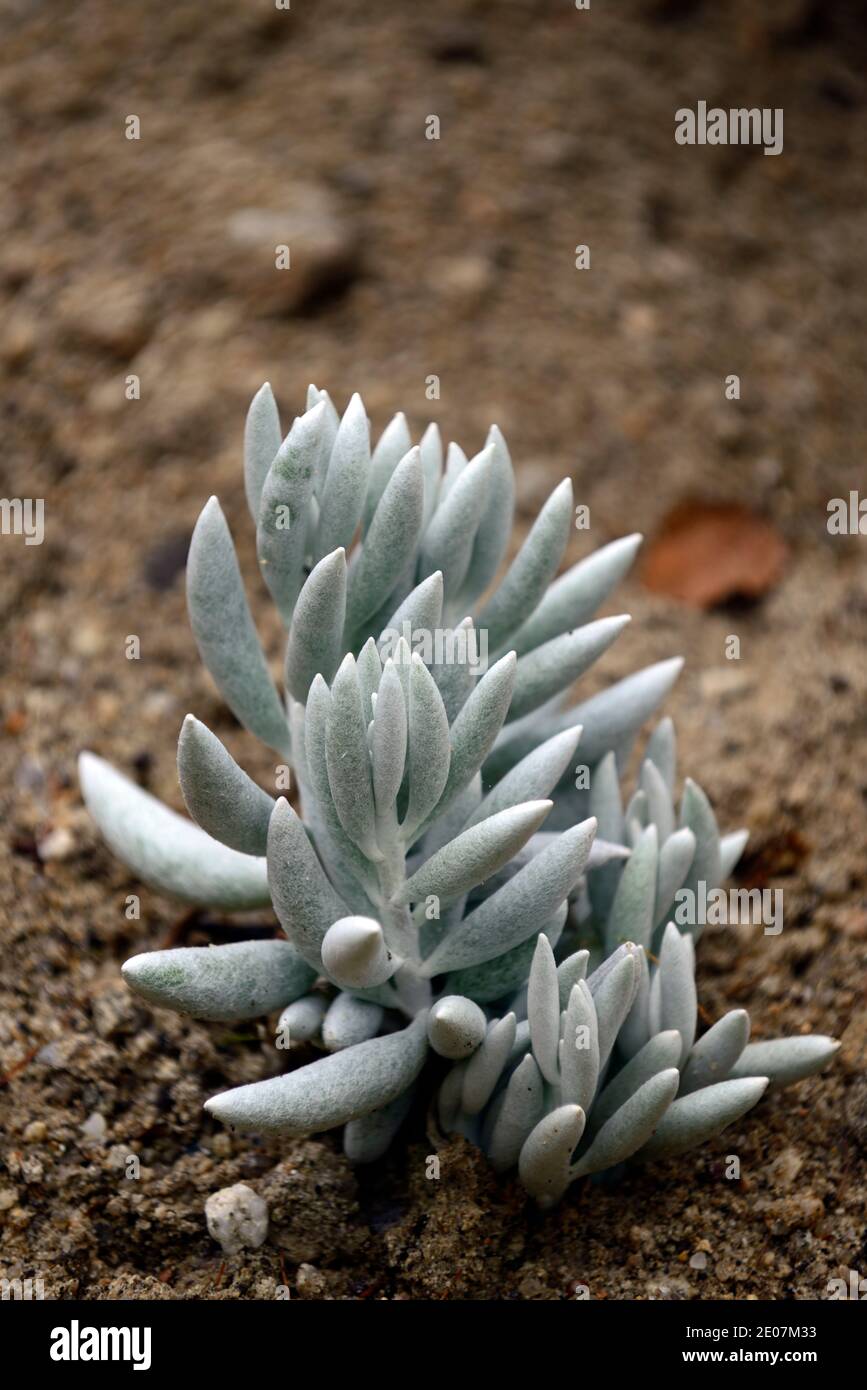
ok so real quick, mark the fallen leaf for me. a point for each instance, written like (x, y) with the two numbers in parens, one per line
(706, 553)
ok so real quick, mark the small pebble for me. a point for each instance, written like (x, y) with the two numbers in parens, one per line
(237, 1218)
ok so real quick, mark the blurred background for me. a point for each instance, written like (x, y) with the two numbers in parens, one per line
(154, 258)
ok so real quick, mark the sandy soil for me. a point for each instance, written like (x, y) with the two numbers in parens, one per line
(412, 257)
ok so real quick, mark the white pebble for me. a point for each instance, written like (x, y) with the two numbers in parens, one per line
(237, 1218)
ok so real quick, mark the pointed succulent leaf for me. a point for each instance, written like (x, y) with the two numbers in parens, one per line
(500, 976)
(552, 668)
(631, 1125)
(458, 665)
(730, 850)
(346, 863)
(369, 1137)
(784, 1060)
(532, 569)
(521, 1110)
(164, 849)
(219, 795)
(350, 1022)
(394, 444)
(485, 1066)
(544, 1164)
(616, 713)
(631, 915)
(331, 424)
(282, 524)
(345, 486)
(421, 611)
(660, 1053)
(495, 527)
(456, 1027)
(223, 984)
(543, 1010)
(675, 858)
(428, 748)
(510, 915)
(613, 997)
(697, 814)
(716, 1051)
(390, 542)
(389, 740)
(477, 725)
(348, 761)
(301, 1020)
(533, 778)
(431, 448)
(304, 899)
(316, 627)
(355, 956)
(473, 856)
(579, 1049)
(702, 1115)
(659, 804)
(574, 598)
(261, 441)
(224, 631)
(328, 1092)
(448, 541)
(569, 972)
(662, 752)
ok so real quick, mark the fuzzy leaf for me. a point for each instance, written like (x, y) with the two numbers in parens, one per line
(223, 984)
(716, 1052)
(659, 805)
(510, 915)
(484, 1068)
(448, 541)
(456, 1027)
(697, 815)
(389, 740)
(346, 482)
(731, 848)
(631, 916)
(428, 748)
(328, 1092)
(579, 1049)
(495, 527)
(281, 531)
(431, 448)
(458, 666)
(224, 631)
(631, 1125)
(304, 900)
(350, 1022)
(544, 1161)
(521, 1110)
(421, 611)
(472, 857)
(346, 864)
(702, 1115)
(390, 542)
(355, 956)
(301, 1020)
(219, 795)
(784, 1060)
(476, 727)
(553, 667)
(675, 858)
(164, 849)
(316, 628)
(613, 996)
(532, 569)
(569, 972)
(660, 1053)
(368, 1138)
(503, 974)
(543, 1010)
(662, 752)
(574, 598)
(262, 438)
(533, 778)
(348, 761)
(394, 444)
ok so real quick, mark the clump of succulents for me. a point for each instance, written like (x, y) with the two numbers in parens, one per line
(448, 850)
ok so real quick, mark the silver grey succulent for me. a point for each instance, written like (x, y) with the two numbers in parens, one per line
(419, 893)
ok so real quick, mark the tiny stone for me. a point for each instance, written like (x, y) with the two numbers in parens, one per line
(237, 1218)
(309, 1281)
(94, 1127)
(35, 1131)
(698, 1260)
(57, 844)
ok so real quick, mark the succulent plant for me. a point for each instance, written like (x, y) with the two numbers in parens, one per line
(443, 849)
